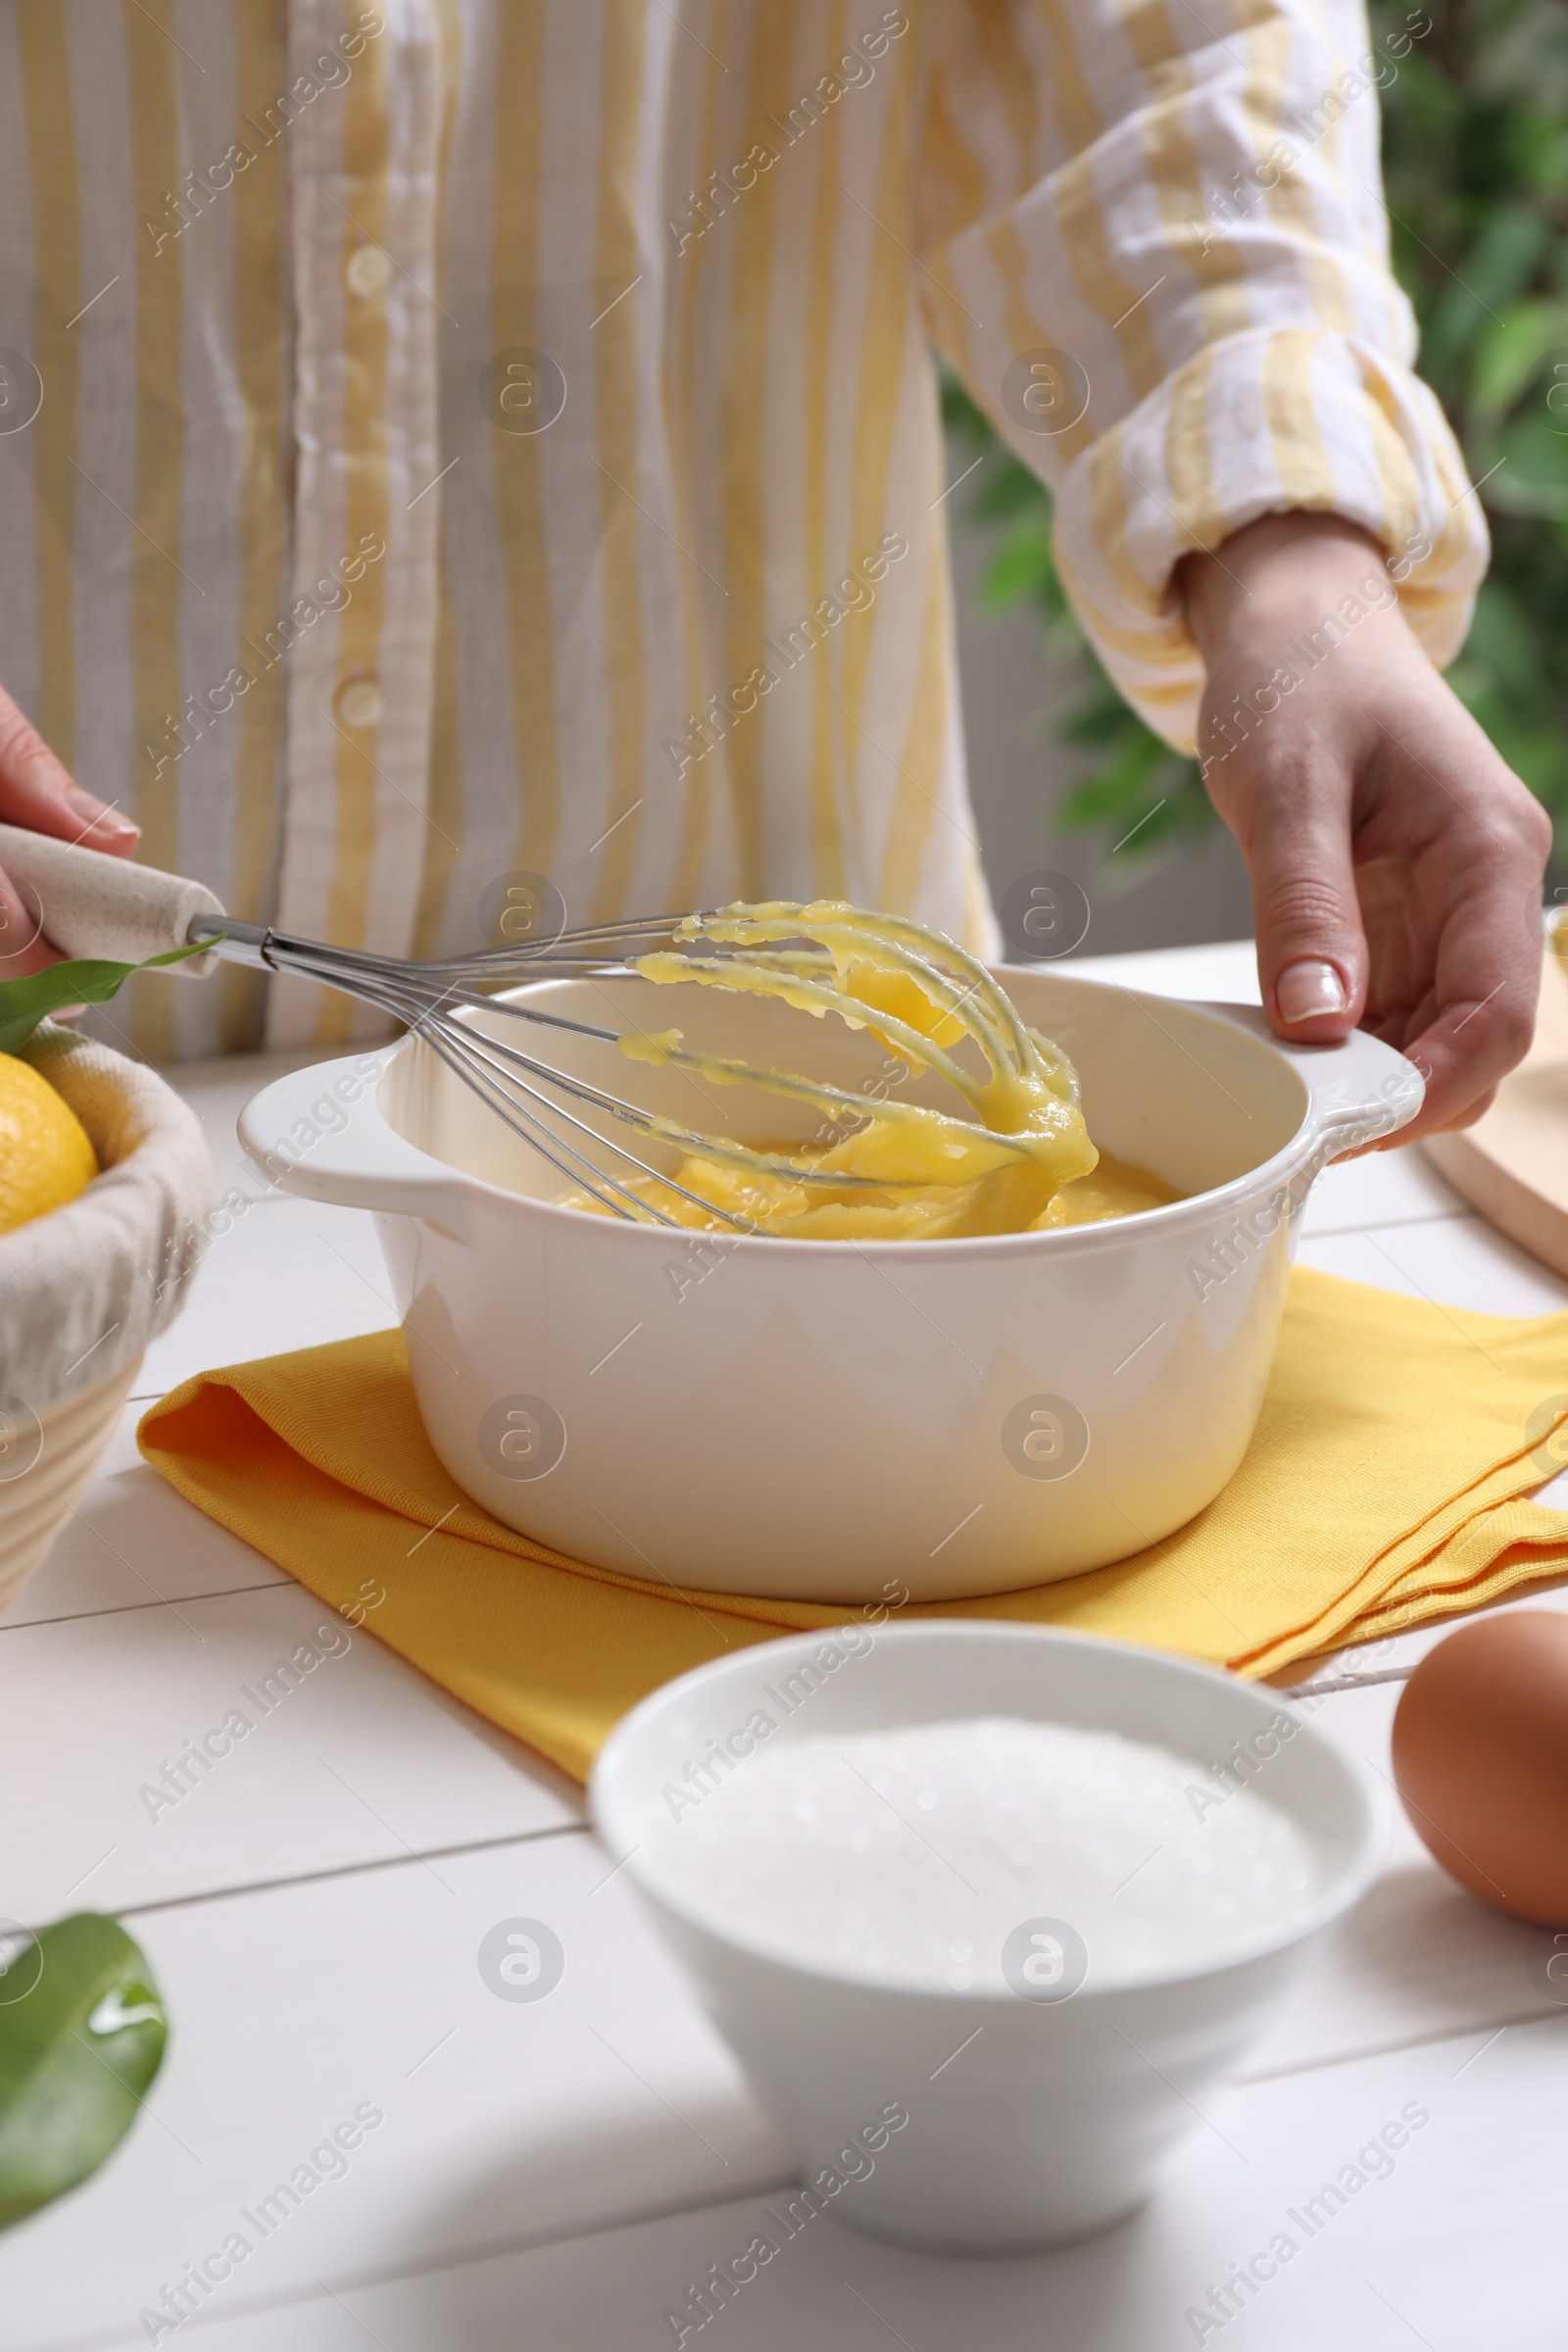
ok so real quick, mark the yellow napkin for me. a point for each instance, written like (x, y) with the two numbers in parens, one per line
(1385, 1487)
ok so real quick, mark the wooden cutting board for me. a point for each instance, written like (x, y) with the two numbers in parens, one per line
(1512, 1164)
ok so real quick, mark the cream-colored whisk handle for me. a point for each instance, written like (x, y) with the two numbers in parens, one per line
(91, 904)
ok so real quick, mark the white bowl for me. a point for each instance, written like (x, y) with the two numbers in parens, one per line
(1029, 2124)
(818, 1419)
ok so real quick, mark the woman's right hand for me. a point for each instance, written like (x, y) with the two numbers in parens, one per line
(37, 792)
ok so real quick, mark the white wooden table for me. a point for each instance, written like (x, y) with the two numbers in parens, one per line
(555, 2174)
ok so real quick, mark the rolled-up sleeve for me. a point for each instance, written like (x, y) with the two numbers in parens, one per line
(1154, 245)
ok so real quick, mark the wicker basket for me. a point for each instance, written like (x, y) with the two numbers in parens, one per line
(83, 1290)
(45, 1460)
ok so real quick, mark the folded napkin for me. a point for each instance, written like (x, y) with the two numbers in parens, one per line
(1385, 1487)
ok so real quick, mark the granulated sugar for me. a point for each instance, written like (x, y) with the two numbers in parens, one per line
(911, 1856)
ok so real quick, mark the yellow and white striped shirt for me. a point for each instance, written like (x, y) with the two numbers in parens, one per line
(455, 438)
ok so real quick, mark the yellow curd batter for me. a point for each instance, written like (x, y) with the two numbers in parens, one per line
(1117, 1188)
(1019, 1161)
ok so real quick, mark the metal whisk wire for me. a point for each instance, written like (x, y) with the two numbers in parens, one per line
(757, 944)
(91, 905)
(428, 1000)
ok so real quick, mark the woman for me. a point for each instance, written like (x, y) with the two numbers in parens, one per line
(459, 449)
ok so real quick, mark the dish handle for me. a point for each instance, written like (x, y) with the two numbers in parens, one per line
(1361, 1089)
(319, 1133)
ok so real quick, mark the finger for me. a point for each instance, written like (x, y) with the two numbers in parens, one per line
(1311, 946)
(1418, 1127)
(38, 790)
(23, 946)
(1474, 1110)
(1488, 982)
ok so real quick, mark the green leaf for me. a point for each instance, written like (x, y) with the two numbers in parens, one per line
(1511, 350)
(1535, 756)
(1535, 480)
(959, 413)
(82, 2032)
(1098, 718)
(1503, 636)
(1021, 567)
(1003, 491)
(24, 1003)
(1505, 253)
(1123, 793)
(1538, 150)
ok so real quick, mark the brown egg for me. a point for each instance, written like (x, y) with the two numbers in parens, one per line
(1481, 1758)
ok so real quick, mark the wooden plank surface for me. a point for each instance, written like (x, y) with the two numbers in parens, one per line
(555, 2174)
(1512, 1164)
(1454, 2245)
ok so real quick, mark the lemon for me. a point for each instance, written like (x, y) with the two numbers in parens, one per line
(45, 1156)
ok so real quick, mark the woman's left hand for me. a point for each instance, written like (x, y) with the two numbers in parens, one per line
(1396, 859)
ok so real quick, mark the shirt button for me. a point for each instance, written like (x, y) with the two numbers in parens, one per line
(368, 269)
(359, 703)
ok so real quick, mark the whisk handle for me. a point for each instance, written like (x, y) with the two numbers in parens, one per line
(90, 904)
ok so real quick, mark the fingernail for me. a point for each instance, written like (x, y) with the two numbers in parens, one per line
(1305, 992)
(107, 822)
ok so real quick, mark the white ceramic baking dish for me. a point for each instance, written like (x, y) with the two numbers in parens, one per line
(825, 1419)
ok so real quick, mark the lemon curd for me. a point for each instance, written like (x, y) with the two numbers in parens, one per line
(1115, 1188)
(880, 1169)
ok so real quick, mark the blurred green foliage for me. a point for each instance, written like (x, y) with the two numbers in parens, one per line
(1475, 146)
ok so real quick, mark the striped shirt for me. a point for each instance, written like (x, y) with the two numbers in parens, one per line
(457, 441)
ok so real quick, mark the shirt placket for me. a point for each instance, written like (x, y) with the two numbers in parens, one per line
(360, 630)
